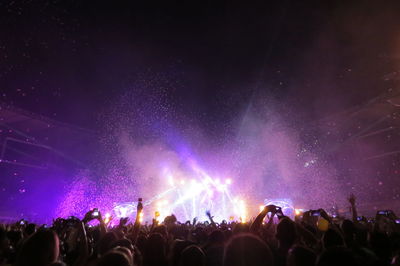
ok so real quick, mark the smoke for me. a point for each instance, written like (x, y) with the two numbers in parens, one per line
(265, 151)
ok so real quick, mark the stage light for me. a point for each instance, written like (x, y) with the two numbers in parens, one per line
(228, 181)
(141, 217)
(107, 218)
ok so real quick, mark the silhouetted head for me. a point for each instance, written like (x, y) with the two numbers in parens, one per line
(348, 228)
(113, 258)
(161, 229)
(123, 243)
(337, 256)
(177, 248)
(106, 242)
(155, 253)
(332, 238)
(41, 248)
(4, 242)
(128, 253)
(381, 245)
(192, 256)
(216, 237)
(30, 229)
(301, 256)
(286, 231)
(247, 250)
(170, 220)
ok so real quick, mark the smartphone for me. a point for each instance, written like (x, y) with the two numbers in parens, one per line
(315, 213)
(22, 222)
(397, 221)
(95, 212)
(279, 212)
(359, 218)
(382, 212)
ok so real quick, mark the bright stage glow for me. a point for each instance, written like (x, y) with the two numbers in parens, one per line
(107, 218)
(193, 194)
(196, 193)
(125, 209)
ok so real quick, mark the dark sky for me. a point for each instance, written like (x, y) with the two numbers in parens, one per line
(71, 60)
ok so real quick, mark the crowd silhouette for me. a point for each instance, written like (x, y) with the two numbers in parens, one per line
(270, 239)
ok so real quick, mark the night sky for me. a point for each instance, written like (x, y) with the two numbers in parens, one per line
(199, 67)
(70, 59)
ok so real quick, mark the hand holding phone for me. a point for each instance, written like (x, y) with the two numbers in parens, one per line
(315, 213)
(382, 212)
(95, 213)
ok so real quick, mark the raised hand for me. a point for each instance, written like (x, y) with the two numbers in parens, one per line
(123, 221)
(208, 213)
(324, 215)
(352, 199)
(270, 208)
(88, 216)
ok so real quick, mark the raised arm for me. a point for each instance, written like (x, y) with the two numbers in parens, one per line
(90, 216)
(136, 225)
(255, 226)
(208, 213)
(83, 248)
(352, 200)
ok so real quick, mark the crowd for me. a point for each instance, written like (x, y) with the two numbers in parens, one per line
(312, 238)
